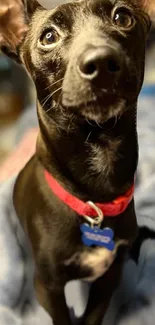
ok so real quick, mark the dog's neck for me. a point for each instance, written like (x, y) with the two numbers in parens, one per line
(96, 163)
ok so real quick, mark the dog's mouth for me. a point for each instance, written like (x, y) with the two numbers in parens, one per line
(106, 125)
(104, 108)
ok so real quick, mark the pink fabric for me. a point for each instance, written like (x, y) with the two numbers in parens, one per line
(20, 156)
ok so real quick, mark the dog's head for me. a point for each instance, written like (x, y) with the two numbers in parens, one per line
(86, 57)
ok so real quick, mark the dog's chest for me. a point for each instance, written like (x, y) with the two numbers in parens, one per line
(103, 157)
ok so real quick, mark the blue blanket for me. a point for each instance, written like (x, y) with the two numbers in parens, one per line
(134, 301)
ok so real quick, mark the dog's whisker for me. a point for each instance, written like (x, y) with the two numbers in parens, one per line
(87, 139)
(59, 98)
(48, 110)
(46, 100)
(54, 92)
(54, 83)
(55, 123)
(115, 121)
(89, 122)
(70, 124)
(100, 126)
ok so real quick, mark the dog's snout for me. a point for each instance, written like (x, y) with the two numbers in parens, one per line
(100, 64)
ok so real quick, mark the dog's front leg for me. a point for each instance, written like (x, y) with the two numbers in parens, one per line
(100, 295)
(53, 301)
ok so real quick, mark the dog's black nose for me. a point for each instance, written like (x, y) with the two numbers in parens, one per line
(100, 65)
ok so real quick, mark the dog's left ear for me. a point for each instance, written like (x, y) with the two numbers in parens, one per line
(31, 6)
(15, 16)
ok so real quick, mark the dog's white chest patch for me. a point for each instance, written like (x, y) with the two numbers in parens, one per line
(98, 260)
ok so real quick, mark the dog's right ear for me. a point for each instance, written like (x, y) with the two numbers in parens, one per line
(149, 7)
(15, 16)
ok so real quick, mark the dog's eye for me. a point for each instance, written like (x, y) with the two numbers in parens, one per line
(123, 18)
(48, 38)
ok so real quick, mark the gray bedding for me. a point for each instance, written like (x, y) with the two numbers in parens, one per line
(134, 301)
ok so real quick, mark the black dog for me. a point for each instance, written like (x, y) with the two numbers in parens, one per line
(87, 62)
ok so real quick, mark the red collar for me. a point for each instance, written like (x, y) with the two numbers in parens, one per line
(111, 209)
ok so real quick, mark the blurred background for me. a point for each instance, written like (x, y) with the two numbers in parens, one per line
(17, 92)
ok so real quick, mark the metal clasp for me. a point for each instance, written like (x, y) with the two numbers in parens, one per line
(99, 219)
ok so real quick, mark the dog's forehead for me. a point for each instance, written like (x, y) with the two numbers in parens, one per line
(64, 15)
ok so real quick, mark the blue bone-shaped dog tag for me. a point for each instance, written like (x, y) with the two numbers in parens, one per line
(97, 237)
